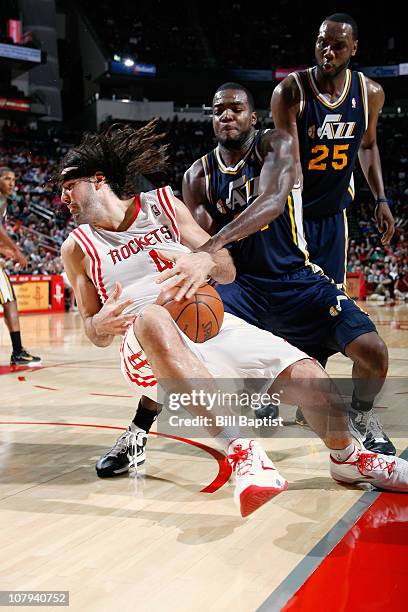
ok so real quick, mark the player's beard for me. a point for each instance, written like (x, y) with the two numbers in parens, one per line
(79, 217)
(90, 211)
(335, 74)
(234, 144)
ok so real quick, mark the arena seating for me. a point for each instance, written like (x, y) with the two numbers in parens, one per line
(40, 223)
(232, 34)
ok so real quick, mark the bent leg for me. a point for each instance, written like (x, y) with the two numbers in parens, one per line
(370, 365)
(306, 384)
(176, 367)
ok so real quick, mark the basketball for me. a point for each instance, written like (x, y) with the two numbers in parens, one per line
(199, 317)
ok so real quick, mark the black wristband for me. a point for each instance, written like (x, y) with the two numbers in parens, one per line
(381, 201)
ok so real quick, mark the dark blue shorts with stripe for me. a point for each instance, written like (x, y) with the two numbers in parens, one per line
(326, 239)
(303, 307)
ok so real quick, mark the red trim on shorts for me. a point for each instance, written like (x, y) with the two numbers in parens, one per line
(98, 263)
(169, 212)
(140, 381)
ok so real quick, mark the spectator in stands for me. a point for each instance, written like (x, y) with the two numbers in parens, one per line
(33, 162)
(401, 285)
(386, 283)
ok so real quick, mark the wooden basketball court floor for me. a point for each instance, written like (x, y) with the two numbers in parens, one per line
(171, 537)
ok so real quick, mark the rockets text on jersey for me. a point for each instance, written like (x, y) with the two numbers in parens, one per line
(131, 257)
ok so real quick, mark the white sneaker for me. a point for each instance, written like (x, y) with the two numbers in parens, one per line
(381, 471)
(256, 478)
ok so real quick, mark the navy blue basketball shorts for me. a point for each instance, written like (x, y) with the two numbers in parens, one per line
(327, 239)
(303, 307)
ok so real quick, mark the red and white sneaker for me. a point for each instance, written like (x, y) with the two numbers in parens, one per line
(381, 471)
(256, 478)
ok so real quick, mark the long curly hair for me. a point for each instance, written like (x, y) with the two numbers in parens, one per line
(121, 152)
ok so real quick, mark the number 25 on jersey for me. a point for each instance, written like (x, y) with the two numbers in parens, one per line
(338, 159)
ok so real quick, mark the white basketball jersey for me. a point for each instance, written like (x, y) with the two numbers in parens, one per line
(130, 257)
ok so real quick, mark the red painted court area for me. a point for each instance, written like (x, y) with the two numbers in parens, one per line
(368, 569)
(12, 369)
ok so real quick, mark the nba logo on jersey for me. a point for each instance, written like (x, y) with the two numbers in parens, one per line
(353, 103)
(220, 207)
(155, 210)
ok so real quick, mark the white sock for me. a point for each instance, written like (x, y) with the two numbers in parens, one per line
(134, 428)
(227, 435)
(344, 454)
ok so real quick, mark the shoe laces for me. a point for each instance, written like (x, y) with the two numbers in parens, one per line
(359, 419)
(368, 462)
(241, 459)
(125, 443)
(374, 425)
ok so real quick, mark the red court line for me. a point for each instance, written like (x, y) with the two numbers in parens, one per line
(23, 379)
(13, 369)
(367, 570)
(111, 395)
(48, 388)
(7, 369)
(224, 468)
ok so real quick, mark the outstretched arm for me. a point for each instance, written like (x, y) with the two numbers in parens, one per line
(275, 182)
(191, 270)
(370, 162)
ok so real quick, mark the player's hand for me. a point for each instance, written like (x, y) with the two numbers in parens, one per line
(111, 320)
(190, 271)
(385, 222)
(20, 258)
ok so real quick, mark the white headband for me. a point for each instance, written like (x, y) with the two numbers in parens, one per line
(66, 170)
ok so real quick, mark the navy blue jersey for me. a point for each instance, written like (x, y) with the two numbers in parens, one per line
(329, 139)
(277, 248)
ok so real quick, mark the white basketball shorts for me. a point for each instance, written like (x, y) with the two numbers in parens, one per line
(240, 350)
(6, 289)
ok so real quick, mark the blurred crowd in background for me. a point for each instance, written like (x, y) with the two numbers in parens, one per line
(39, 222)
(216, 33)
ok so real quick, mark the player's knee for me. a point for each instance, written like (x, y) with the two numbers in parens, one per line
(371, 352)
(155, 324)
(378, 355)
(307, 369)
